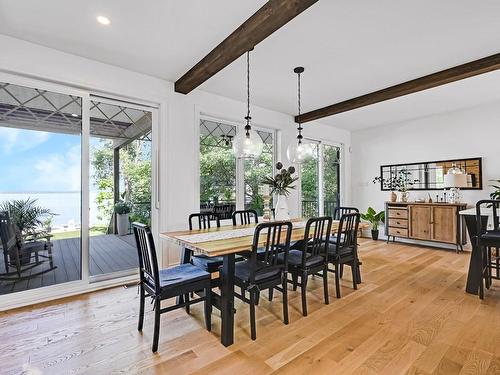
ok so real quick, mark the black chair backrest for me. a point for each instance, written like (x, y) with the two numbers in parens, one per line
(271, 239)
(204, 220)
(245, 217)
(7, 232)
(347, 233)
(148, 261)
(494, 204)
(338, 212)
(316, 237)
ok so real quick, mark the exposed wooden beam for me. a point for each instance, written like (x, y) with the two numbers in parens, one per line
(443, 77)
(269, 18)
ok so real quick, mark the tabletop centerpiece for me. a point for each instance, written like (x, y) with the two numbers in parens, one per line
(281, 184)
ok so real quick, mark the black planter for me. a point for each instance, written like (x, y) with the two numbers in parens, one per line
(375, 234)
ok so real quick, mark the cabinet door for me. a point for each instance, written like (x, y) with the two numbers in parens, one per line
(420, 222)
(444, 224)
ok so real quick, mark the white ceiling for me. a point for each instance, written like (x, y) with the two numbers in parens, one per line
(348, 48)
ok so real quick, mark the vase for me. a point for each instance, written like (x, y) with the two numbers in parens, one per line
(394, 197)
(405, 195)
(122, 224)
(281, 208)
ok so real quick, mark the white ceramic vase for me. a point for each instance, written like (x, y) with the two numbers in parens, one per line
(281, 208)
(122, 224)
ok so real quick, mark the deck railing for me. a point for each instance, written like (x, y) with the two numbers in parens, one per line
(310, 208)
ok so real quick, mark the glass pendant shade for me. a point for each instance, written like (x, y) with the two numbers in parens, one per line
(298, 153)
(247, 147)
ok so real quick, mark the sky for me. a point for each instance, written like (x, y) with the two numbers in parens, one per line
(39, 161)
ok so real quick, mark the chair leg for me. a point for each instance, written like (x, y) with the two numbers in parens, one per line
(208, 308)
(490, 268)
(156, 334)
(271, 294)
(303, 290)
(142, 298)
(257, 298)
(325, 284)
(253, 331)
(295, 276)
(284, 286)
(337, 280)
(186, 299)
(341, 271)
(354, 276)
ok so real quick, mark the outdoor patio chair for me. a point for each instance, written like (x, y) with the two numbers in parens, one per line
(20, 253)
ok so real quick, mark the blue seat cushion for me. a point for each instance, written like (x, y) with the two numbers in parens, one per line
(209, 264)
(263, 271)
(491, 238)
(343, 252)
(295, 258)
(181, 274)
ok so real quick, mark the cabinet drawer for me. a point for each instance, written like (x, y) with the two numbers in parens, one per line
(398, 232)
(398, 223)
(398, 213)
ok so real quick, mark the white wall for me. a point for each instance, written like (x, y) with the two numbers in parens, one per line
(179, 114)
(473, 132)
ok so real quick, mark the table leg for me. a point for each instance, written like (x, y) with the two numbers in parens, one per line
(474, 276)
(227, 300)
(185, 258)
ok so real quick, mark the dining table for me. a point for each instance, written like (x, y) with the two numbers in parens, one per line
(227, 241)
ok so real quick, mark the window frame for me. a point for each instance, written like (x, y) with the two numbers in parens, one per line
(240, 170)
(321, 190)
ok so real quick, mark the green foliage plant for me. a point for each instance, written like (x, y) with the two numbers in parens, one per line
(373, 217)
(282, 182)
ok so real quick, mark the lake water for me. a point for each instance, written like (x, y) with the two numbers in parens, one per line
(65, 204)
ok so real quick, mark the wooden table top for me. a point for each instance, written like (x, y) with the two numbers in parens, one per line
(235, 245)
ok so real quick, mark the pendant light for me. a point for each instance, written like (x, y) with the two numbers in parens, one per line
(299, 152)
(248, 144)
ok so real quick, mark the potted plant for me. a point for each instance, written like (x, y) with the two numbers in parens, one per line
(281, 184)
(398, 181)
(374, 219)
(496, 193)
(122, 209)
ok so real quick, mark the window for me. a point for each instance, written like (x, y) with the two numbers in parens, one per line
(40, 188)
(225, 182)
(320, 180)
(256, 170)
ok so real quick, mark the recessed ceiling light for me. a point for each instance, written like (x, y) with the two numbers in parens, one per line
(103, 20)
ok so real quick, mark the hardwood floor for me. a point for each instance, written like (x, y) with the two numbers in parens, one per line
(410, 316)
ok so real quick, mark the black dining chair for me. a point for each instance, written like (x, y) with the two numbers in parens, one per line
(245, 217)
(338, 212)
(258, 273)
(488, 242)
(309, 257)
(345, 249)
(204, 220)
(161, 284)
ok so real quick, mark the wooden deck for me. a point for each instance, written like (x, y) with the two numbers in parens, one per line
(108, 253)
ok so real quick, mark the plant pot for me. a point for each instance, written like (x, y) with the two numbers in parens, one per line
(375, 234)
(405, 196)
(281, 208)
(393, 197)
(122, 224)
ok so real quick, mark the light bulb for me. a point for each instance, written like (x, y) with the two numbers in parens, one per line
(248, 147)
(298, 153)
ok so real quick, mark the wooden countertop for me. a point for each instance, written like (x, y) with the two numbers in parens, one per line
(427, 204)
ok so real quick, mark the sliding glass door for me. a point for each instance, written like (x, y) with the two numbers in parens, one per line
(75, 171)
(320, 180)
(120, 184)
(40, 188)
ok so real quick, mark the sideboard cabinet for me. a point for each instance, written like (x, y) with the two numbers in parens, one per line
(437, 222)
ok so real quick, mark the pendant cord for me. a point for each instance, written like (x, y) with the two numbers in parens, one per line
(247, 127)
(299, 128)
